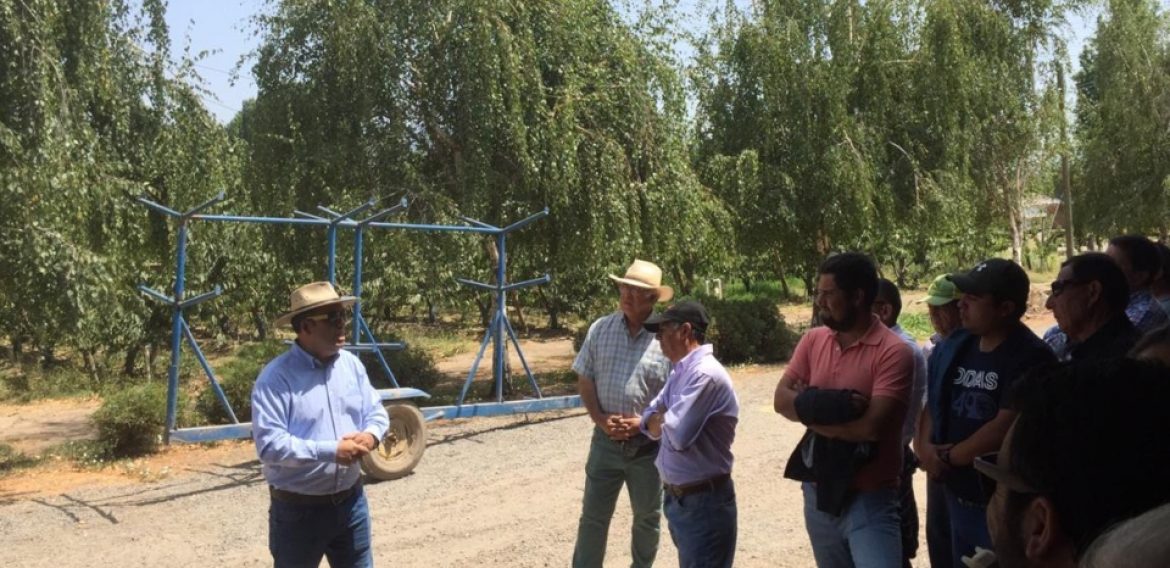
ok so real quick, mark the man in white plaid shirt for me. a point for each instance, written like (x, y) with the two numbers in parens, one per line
(620, 369)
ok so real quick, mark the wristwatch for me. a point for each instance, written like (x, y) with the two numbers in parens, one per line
(944, 455)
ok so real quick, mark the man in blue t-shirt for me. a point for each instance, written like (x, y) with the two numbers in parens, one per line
(971, 373)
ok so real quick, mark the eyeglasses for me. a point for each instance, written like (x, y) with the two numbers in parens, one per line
(337, 318)
(1060, 286)
(991, 474)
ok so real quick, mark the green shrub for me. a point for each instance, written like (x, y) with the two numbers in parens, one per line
(917, 325)
(748, 329)
(131, 421)
(237, 377)
(412, 367)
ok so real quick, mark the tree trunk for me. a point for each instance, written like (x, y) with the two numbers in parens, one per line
(47, 358)
(131, 356)
(1017, 245)
(260, 323)
(90, 364)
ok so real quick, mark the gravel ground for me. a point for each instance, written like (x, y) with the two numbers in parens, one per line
(489, 492)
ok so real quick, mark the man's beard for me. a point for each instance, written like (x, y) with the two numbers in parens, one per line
(843, 324)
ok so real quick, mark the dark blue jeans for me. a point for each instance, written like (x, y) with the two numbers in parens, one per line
(968, 527)
(703, 527)
(938, 526)
(299, 535)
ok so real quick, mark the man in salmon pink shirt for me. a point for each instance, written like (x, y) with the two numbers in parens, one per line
(849, 382)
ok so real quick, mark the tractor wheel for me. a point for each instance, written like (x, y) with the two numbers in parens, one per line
(403, 445)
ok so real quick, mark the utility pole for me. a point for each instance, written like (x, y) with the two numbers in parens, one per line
(1065, 182)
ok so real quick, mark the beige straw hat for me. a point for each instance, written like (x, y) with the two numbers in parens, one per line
(313, 296)
(647, 275)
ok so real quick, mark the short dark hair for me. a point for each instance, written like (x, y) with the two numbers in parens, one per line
(1100, 267)
(888, 292)
(299, 320)
(1164, 263)
(853, 271)
(1090, 436)
(1141, 252)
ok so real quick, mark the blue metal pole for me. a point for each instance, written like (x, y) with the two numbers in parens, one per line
(523, 361)
(378, 353)
(475, 365)
(177, 324)
(219, 394)
(358, 235)
(501, 304)
(330, 271)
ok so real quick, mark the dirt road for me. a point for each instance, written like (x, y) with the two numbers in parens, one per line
(490, 492)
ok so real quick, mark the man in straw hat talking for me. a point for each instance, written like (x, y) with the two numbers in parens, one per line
(620, 369)
(314, 415)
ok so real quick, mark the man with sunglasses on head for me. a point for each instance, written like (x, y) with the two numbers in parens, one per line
(1087, 451)
(694, 417)
(1088, 300)
(314, 416)
(620, 369)
(969, 374)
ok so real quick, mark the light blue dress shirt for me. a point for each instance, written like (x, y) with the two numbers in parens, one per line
(301, 407)
(701, 411)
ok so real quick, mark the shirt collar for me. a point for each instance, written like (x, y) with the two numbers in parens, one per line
(692, 359)
(873, 335)
(310, 360)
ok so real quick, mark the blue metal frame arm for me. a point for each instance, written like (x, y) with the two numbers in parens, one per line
(156, 295)
(309, 215)
(158, 208)
(434, 228)
(525, 284)
(475, 284)
(525, 222)
(316, 221)
(202, 206)
(383, 213)
(481, 224)
(201, 298)
(348, 215)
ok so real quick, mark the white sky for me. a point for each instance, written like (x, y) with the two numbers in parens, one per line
(222, 28)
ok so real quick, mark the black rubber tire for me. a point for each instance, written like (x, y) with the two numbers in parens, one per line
(402, 447)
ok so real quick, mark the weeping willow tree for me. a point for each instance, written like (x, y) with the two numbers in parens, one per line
(488, 109)
(912, 130)
(1123, 107)
(91, 114)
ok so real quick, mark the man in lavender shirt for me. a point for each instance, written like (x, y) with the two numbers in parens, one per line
(694, 416)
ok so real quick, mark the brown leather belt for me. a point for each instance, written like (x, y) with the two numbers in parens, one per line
(697, 487)
(302, 499)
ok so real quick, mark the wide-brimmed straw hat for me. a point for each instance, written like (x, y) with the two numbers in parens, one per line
(645, 275)
(313, 296)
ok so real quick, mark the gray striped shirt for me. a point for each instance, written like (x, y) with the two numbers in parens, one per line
(627, 371)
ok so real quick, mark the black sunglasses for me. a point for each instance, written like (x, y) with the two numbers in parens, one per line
(337, 318)
(991, 475)
(1058, 287)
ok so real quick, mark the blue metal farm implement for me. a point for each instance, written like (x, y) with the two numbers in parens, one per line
(406, 440)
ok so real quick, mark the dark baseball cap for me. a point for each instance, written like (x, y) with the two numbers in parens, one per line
(687, 311)
(998, 277)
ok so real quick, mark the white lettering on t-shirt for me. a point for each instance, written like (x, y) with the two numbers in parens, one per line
(970, 378)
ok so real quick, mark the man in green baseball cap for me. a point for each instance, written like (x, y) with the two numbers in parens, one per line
(942, 302)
